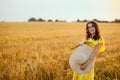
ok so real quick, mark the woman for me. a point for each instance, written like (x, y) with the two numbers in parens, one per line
(96, 41)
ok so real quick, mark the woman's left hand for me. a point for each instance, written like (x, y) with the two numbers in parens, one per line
(83, 66)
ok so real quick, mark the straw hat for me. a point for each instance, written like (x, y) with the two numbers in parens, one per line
(80, 56)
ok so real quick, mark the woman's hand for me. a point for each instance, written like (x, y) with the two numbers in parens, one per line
(91, 58)
(83, 66)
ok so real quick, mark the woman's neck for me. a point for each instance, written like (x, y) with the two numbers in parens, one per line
(92, 35)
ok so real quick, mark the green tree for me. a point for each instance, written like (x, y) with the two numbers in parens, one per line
(50, 20)
(32, 19)
(78, 20)
(41, 20)
(117, 20)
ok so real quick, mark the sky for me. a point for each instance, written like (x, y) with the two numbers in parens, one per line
(70, 10)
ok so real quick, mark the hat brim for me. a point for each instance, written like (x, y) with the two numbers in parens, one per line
(79, 57)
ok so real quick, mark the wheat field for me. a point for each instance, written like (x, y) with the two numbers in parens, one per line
(41, 50)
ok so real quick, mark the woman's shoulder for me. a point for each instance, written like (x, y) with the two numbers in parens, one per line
(101, 39)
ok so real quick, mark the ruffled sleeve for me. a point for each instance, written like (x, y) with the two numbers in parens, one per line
(84, 40)
(101, 40)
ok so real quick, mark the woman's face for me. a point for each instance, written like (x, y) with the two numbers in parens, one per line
(91, 29)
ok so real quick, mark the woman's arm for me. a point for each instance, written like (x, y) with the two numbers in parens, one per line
(75, 46)
(80, 44)
(92, 56)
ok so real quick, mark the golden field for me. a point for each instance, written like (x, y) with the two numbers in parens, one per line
(41, 50)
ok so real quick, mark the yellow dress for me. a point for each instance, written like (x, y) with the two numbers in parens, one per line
(90, 75)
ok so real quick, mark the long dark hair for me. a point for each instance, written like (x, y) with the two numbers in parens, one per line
(97, 31)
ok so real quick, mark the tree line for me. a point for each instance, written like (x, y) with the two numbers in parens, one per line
(43, 20)
(78, 20)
